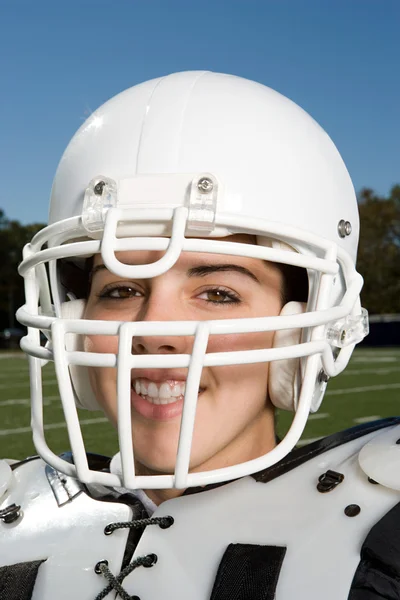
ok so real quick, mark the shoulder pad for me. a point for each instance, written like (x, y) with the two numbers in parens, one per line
(6, 477)
(54, 519)
(299, 456)
(380, 458)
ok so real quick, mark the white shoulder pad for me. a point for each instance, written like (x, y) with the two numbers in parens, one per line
(380, 458)
(6, 477)
(321, 527)
(56, 520)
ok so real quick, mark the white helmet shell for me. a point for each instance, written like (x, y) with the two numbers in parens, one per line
(275, 161)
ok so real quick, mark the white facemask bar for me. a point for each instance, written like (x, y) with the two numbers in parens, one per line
(315, 348)
(124, 361)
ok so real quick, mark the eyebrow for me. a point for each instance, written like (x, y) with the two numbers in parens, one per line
(199, 271)
(204, 270)
(95, 270)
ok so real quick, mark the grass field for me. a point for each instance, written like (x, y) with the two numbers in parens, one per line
(368, 389)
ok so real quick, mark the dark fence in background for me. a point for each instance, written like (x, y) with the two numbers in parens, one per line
(384, 330)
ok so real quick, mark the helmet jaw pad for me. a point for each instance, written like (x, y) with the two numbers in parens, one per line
(284, 375)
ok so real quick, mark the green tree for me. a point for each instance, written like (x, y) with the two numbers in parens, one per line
(13, 237)
(379, 251)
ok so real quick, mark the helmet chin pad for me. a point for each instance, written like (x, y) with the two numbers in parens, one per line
(83, 393)
(284, 375)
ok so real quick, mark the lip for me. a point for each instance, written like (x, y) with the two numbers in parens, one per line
(156, 412)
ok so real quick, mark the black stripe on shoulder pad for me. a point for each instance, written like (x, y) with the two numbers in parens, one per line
(298, 456)
(378, 573)
(248, 571)
(17, 581)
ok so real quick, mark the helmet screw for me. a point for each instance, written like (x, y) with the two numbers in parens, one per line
(99, 187)
(205, 185)
(323, 377)
(10, 514)
(344, 228)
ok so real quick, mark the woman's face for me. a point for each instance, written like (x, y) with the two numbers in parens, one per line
(234, 419)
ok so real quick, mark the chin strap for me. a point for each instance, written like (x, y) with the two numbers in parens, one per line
(284, 375)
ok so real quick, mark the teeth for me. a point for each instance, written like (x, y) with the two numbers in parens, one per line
(159, 393)
(153, 390)
(165, 391)
(176, 390)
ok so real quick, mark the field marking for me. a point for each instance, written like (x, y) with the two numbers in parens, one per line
(366, 388)
(375, 359)
(27, 401)
(18, 355)
(367, 419)
(20, 430)
(3, 386)
(317, 416)
(371, 372)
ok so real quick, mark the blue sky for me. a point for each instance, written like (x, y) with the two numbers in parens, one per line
(338, 59)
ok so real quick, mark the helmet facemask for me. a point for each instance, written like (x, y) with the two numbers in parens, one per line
(307, 341)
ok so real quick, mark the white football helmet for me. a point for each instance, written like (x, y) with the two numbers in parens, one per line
(168, 165)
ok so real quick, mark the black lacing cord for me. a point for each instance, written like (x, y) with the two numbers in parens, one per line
(162, 522)
(115, 582)
(147, 561)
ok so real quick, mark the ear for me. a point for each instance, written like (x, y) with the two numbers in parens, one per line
(284, 375)
(83, 393)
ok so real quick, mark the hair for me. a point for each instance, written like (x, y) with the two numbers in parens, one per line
(295, 283)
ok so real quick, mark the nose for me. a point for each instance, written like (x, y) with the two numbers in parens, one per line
(162, 308)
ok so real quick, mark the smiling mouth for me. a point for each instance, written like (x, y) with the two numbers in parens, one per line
(165, 392)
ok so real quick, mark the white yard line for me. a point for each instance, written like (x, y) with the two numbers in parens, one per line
(359, 420)
(18, 355)
(367, 419)
(374, 359)
(366, 388)
(27, 401)
(20, 430)
(4, 386)
(370, 371)
(317, 416)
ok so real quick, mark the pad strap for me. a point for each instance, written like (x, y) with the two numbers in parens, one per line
(248, 572)
(17, 581)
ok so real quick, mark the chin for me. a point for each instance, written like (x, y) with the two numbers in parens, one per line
(158, 461)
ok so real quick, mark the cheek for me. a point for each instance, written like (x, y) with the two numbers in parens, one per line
(103, 379)
(244, 377)
(100, 343)
(241, 341)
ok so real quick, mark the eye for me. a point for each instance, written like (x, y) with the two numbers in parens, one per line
(120, 292)
(219, 296)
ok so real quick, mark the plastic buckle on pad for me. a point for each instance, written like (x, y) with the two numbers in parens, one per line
(328, 481)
